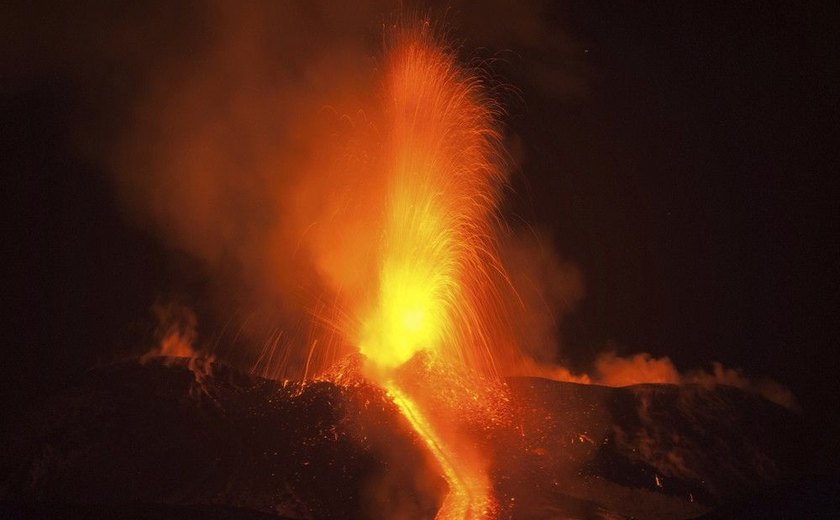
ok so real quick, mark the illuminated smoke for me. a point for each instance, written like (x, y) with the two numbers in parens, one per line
(176, 332)
(250, 148)
(610, 369)
(547, 289)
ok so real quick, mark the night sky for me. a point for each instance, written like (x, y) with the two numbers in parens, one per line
(679, 155)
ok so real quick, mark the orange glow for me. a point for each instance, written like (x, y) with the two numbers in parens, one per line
(437, 291)
(177, 333)
(613, 370)
(438, 267)
(470, 494)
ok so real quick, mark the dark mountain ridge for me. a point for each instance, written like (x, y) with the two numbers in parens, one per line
(178, 437)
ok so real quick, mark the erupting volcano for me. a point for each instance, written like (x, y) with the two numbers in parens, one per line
(437, 257)
(365, 209)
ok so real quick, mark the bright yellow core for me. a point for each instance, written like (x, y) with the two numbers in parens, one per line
(408, 318)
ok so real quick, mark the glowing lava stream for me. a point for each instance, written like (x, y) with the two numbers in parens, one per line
(469, 490)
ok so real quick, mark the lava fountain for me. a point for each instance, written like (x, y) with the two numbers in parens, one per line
(438, 264)
(438, 304)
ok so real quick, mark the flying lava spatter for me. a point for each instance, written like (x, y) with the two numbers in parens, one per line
(440, 279)
(438, 266)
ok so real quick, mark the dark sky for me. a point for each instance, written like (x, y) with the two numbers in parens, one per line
(687, 168)
(693, 183)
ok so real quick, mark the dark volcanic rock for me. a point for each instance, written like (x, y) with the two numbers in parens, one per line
(645, 451)
(181, 434)
(159, 433)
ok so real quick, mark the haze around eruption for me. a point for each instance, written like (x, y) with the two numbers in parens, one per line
(381, 234)
(255, 146)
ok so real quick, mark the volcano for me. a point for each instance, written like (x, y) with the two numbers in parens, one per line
(326, 191)
(183, 438)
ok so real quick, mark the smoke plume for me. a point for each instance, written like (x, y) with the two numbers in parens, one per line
(609, 369)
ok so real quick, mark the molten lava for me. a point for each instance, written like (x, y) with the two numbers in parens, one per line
(430, 321)
(439, 276)
(469, 487)
(438, 265)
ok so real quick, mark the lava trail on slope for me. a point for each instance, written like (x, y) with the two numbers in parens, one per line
(156, 438)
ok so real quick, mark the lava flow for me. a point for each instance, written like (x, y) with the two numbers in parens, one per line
(439, 277)
(469, 488)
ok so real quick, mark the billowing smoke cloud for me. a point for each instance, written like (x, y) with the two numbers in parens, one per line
(244, 151)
